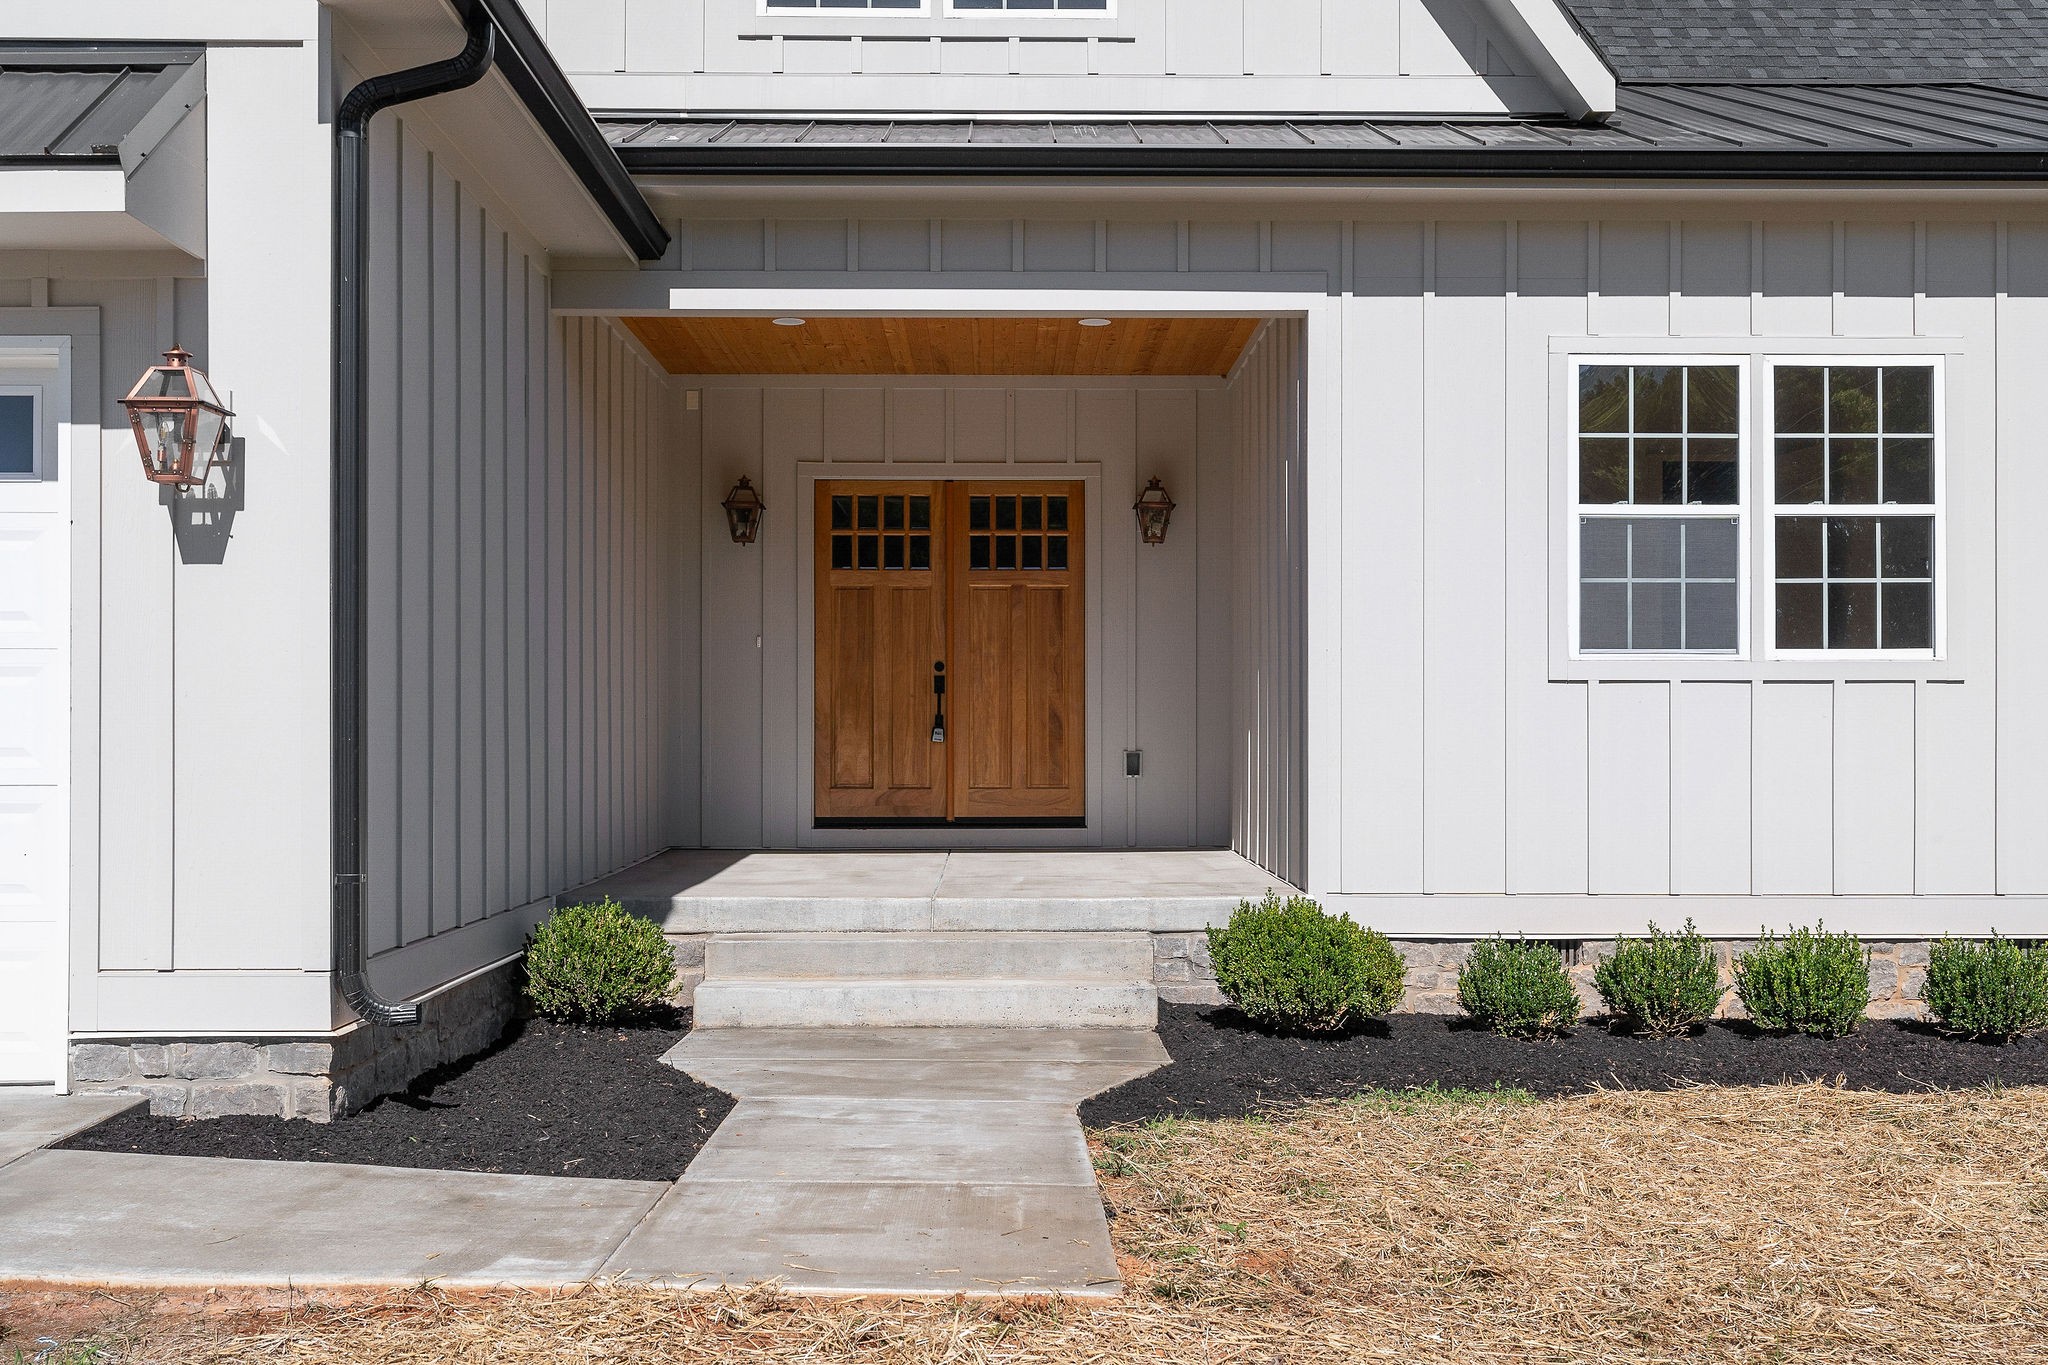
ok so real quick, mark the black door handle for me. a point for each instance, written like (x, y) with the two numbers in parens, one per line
(939, 693)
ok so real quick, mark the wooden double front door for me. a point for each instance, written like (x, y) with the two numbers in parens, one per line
(950, 653)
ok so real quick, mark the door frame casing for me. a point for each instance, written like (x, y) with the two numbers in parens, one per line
(808, 475)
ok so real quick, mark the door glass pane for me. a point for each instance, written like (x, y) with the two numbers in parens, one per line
(842, 513)
(977, 552)
(1055, 514)
(1034, 514)
(870, 552)
(892, 552)
(977, 514)
(892, 513)
(920, 552)
(1056, 552)
(1006, 552)
(1034, 552)
(920, 513)
(870, 513)
(842, 550)
(1006, 514)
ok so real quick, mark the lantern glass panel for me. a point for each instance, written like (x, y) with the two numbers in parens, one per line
(166, 433)
(209, 427)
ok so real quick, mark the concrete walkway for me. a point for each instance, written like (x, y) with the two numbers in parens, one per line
(35, 1117)
(913, 1161)
(925, 1161)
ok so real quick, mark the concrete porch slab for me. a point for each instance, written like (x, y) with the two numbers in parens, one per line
(116, 1218)
(33, 1118)
(708, 891)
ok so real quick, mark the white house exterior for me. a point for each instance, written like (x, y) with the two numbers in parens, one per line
(1605, 469)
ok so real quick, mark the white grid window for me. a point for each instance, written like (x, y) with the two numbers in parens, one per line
(20, 432)
(845, 6)
(1857, 505)
(1077, 8)
(1657, 465)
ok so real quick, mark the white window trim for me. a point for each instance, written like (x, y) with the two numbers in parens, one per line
(1938, 509)
(953, 11)
(1966, 535)
(39, 447)
(1739, 509)
(763, 10)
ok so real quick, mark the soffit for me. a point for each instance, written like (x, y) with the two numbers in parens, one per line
(896, 346)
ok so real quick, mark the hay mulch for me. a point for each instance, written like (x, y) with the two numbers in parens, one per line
(1796, 1223)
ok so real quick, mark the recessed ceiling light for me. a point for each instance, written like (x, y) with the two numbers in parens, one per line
(1095, 322)
(789, 322)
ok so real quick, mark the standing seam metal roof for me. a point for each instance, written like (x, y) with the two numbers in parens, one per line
(76, 104)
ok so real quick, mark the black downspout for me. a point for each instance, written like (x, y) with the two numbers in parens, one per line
(351, 421)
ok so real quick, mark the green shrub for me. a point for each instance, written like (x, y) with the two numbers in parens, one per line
(1289, 965)
(1996, 991)
(1661, 985)
(1519, 989)
(596, 964)
(1810, 981)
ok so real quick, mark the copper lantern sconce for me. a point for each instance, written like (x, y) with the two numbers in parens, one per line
(743, 511)
(181, 426)
(1155, 510)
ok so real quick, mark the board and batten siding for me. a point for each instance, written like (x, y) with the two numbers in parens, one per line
(521, 581)
(1202, 56)
(1159, 623)
(1467, 772)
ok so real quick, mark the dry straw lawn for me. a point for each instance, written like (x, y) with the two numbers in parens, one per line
(1796, 1224)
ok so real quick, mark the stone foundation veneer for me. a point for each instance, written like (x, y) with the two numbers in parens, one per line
(1182, 971)
(317, 1078)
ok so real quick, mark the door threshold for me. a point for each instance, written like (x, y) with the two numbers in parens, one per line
(861, 822)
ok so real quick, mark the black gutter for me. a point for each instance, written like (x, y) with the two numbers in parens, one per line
(351, 400)
(771, 159)
(527, 65)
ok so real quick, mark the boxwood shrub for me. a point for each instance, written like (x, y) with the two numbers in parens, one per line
(1810, 981)
(1661, 985)
(597, 964)
(1519, 989)
(1292, 967)
(1993, 992)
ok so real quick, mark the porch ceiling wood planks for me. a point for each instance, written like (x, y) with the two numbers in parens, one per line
(946, 346)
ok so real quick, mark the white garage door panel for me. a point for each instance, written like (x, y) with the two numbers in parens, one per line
(33, 600)
(31, 691)
(35, 729)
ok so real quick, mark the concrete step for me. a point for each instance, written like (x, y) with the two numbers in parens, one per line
(1081, 957)
(876, 1002)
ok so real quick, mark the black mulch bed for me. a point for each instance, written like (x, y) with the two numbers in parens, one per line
(1223, 1067)
(547, 1099)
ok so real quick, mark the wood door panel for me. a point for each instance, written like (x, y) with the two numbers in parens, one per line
(879, 631)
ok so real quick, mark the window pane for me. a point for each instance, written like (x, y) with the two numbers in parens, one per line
(1799, 471)
(1852, 471)
(870, 513)
(1656, 621)
(892, 514)
(842, 513)
(977, 514)
(1712, 548)
(1034, 513)
(1799, 616)
(1603, 616)
(1799, 547)
(1908, 469)
(1711, 618)
(1908, 616)
(1660, 398)
(1603, 547)
(1852, 616)
(1660, 471)
(1034, 552)
(1909, 400)
(1006, 514)
(1603, 470)
(1852, 547)
(1055, 514)
(892, 552)
(1603, 398)
(870, 552)
(1714, 397)
(977, 552)
(1908, 545)
(1006, 552)
(1801, 399)
(1852, 400)
(920, 514)
(1056, 552)
(842, 550)
(920, 552)
(1654, 548)
(1714, 472)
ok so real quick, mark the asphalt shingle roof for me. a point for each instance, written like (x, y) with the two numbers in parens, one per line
(1999, 41)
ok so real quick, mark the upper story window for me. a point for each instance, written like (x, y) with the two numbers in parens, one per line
(1848, 536)
(19, 430)
(843, 6)
(974, 8)
(1078, 7)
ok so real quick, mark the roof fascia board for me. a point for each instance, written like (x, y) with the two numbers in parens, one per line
(1563, 55)
(530, 69)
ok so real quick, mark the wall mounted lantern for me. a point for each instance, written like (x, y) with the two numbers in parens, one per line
(181, 426)
(743, 511)
(1155, 510)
